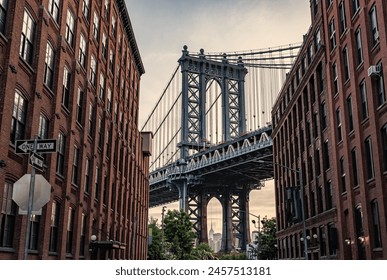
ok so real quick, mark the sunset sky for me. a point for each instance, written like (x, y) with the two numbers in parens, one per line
(163, 27)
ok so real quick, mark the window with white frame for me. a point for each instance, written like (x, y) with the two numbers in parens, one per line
(96, 26)
(43, 127)
(374, 25)
(49, 66)
(86, 9)
(369, 159)
(70, 28)
(19, 115)
(342, 17)
(27, 38)
(3, 14)
(82, 51)
(61, 154)
(53, 9)
(359, 48)
(7, 216)
(332, 34)
(363, 100)
(93, 70)
(66, 87)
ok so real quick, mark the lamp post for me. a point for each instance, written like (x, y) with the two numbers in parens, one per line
(162, 228)
(299, 175)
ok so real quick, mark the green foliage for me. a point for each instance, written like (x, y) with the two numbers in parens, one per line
(178, 234)
(155, 248)
(233, 256)
(268, 249)
(203, 252)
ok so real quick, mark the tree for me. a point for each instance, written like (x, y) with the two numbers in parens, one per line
(268, 242)
(178, 234)
(203, 252)
(155, 251)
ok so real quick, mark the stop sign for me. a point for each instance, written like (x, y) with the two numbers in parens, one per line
(21, 189)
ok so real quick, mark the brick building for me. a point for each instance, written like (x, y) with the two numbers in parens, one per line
(330, 127)
(70, 70)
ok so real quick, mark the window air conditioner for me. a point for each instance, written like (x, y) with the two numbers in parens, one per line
(374, 70)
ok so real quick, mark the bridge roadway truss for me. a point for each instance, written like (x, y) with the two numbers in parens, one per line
(227, 171)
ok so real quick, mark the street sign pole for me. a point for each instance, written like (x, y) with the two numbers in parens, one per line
(30, 202)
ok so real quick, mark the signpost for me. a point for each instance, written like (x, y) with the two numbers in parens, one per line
(33, 147)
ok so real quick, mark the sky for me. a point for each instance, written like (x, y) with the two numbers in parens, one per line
(163, 27)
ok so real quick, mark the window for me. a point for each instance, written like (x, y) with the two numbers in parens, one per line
(66, 87)
(109, 98)
(335, 79)
(80, 106)
(310, 53)
(355, 6)
(107, 9)
(34, 232)
(355, 173)
(329, 3)
(332, 36)
(102, 86)
(104, 46)
(49, 66)
(96, 186)
(55, 210)
(27, 38)
(53, 9)
(342, 171)
(70, 26)
(18, 123)
(363, 99)
(343, 21)
(350, 113)
(7, 216)
(377, 237)
(70, 231)
(374, 25)
(369, 158)
(359, 232)
(324, 116)
(74, 177)
(114, 27)
(111, 64)
(339, 128)
(96, 26)
(87, 176)
(359, 49)
(86, 9)
(329, 194)
(83, 236)
(379, 86)
(384, 146)
(43, 127)
(93, 70)
(91, 119)
(3, 14)
(346, 64)
(100, 133)
(82, 51)
(61, 154)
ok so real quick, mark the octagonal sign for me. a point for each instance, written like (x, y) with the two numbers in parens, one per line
(21, 189)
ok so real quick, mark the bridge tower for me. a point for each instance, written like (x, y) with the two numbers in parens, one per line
(197, 72)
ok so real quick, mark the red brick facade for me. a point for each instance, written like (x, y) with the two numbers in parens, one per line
(330, 122)
(99, 175)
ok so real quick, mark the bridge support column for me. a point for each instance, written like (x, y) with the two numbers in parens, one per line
(183, 194)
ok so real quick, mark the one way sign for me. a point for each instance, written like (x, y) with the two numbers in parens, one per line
(42, 146)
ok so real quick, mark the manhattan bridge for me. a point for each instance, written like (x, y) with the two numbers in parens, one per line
(212, 134)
